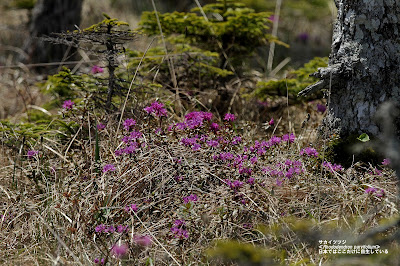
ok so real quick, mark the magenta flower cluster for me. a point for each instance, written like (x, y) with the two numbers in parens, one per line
(332, 167)
(100, 126)
(109, 229)
(96, 69)
(229, 117)
(375, 191)
(311, 152)
(236, 184)
(32, 153)
(101, 261)
(178, 229)
(68, 104)
(386, 161)
(108, 168)
(289, 138)
(131, 207)
(129, 123)
(157, 109)
(191, 198)
(283, 171)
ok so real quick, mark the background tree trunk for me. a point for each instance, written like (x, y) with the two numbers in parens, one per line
(51, 16)
(364, 65)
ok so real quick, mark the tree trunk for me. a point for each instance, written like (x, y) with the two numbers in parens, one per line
(51, 16)
(364, 65)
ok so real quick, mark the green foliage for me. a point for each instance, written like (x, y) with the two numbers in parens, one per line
(242, 253)
(110, 25)
(66, 85)
(24, 4)
(297, 81)
(194, 68)
(229, 26)
(363, 137)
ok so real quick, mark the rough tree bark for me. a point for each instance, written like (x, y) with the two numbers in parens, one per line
(51, 16)
(364, 65)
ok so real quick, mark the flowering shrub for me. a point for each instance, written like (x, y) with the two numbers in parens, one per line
(243, 182)
(309, 152)
(156, 109)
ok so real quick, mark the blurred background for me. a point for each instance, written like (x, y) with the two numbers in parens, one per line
(305, 25)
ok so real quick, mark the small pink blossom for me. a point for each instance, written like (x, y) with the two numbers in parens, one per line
(271, 122)
(131, 207)
(96, 69)
(108, 168)
(386, 161)
(191, 198)
(68, 104)
(309, 151)
(229, 117)
(144, 241)
(119, 250)
(128, 123)
(100, 126)
(32, 153)
(157, 109)
(214, 127)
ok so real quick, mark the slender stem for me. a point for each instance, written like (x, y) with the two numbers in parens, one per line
(274, 33)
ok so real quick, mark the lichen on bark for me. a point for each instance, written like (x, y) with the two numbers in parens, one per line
(364, 65)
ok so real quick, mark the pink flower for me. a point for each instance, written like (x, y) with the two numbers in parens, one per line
(119, 250)
(144, 241)
(191, 198)
(212, 143)
(68, 104)
(96, 69)
(309, 151)
(131, 207)
(332, 167)
(100, 228)
(271, 122)
(122, 228)
(108, 168)
(157, 109)
(250, 181)
(289, 137)
(100, 126)
(179, 229)
(386, 161)
(128, 123)
(377, 192)
(214, 127)
(229, 117)
(236, 140)
(196, 119)
(32, 153)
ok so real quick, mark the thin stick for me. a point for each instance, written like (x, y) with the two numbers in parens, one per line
(130, 85)
(274, 33)
(158, 242)
(170, 62)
